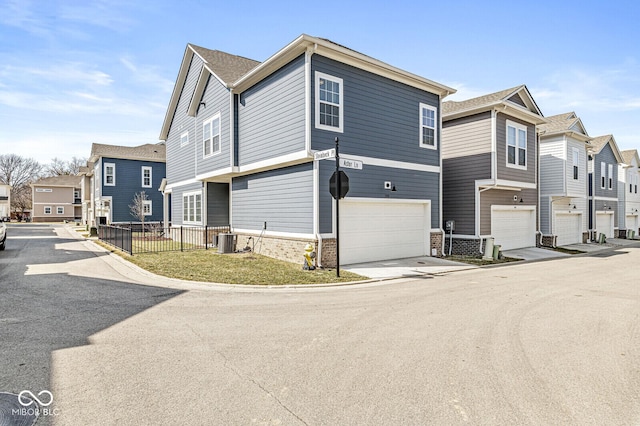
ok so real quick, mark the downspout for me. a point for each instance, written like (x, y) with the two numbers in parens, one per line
(478, 213)
(444, 235)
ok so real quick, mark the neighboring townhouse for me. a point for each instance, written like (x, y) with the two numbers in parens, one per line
(5, 201)
(490, 170)
(241, 137)
(120, 172)
(85, 174)
(628, 196)
(56, 199)
(604, 158)
(564, 209)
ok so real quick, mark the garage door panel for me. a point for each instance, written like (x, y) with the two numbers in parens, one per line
(382, 230)
(604, 224)
(568, 228)
(513, 228)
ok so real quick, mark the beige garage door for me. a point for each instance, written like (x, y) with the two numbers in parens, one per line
(568, 228)
(604, 224)
(373, 230)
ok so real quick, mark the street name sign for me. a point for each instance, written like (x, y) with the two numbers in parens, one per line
(325, 155)
(351, 164)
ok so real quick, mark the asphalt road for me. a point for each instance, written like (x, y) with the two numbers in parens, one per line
(545, 343)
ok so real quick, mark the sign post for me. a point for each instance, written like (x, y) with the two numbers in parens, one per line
(338, 181)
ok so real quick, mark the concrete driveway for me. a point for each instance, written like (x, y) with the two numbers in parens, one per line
(410, 267)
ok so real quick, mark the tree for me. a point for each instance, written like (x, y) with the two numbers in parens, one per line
(139, 208)
(19, 172)
(59, 167)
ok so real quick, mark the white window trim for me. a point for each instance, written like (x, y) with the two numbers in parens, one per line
(603, 175)
(340, 128)
(187, 195)
(58, 208)
(106, 174)
(204, 123)
(145, 168)
(183, 136)
(516, 126)
(575, 163)
(150, 204)
(435, 126)
(610, 177)
(47, 207)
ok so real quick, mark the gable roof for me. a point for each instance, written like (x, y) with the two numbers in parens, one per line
(516, 100)
(629, 155)
(62, 180)
(238, 74)
(598, 143)
(567, 123)
(148, 152)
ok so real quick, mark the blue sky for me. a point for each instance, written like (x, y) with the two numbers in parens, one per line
(73, 73)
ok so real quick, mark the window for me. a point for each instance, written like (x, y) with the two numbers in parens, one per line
(610, 176)
(47, 210)
(184, 139)
(192, 208)
(329, 110)
(146, 177)
(635, 184)
(428, 132)
(109, 174)
(76, 194)
(147, 207)
(576, 163)
(603, 175)
(60, 210)
(211, 136)
(516, 145)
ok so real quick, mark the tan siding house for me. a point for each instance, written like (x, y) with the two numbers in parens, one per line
(56, 199)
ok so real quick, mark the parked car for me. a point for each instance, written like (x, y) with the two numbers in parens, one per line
(3, 235)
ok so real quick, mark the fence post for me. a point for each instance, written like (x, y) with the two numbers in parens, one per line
(206, 237)
(181, 237)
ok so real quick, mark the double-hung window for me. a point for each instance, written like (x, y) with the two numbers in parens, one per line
(603, 175)
(428, 130)
(47, 210)
(147, 207)
(329, 103)
(576, 163)
(610, 176)
(60, 210)
(109, 174)
(516, 145)
(192, 208)
(184, 139)
(146, 177)
(211, 136)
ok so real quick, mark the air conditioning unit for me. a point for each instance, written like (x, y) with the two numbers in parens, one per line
(226, 243)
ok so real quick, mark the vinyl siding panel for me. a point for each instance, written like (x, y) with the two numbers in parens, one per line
(369, 183)
(505, 198)
(553, 162)
(605, 155)
(177, 212)
(576, 187)
(458, 189)
(283, 198)
(381, 116)
(217, 204)
(508, 173)
(181, 159)
(128, 178)
(272, 115)
(216, 98)
(467, 136)
(545, 214)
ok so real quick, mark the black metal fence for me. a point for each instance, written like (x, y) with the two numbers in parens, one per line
(154, 237)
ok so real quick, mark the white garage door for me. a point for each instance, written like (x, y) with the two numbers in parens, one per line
(513, 228)
(383, 229)
(568, 228)
(604, 224)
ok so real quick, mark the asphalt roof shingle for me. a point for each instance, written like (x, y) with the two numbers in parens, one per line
(148, 152)
(62, 180)
(226, 66)
(485, 100)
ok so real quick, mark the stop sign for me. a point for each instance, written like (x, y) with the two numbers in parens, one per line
(344, 185)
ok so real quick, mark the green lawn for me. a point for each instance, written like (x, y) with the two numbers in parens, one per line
(237, 268)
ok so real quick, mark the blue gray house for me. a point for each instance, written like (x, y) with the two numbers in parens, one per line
(604, 158)
(241, 137)
(118, 173)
